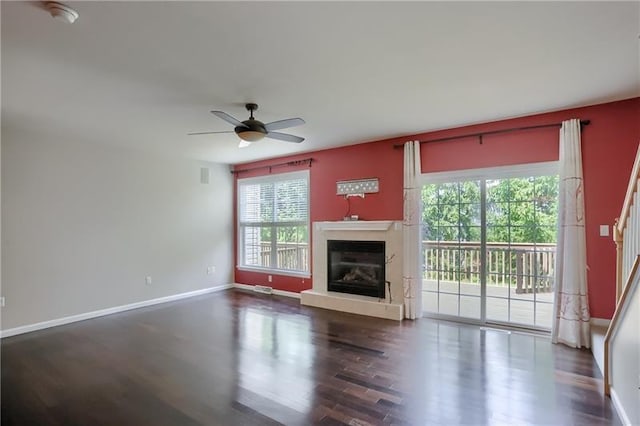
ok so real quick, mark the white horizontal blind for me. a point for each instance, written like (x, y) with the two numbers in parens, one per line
(273, 221)
(270, 201)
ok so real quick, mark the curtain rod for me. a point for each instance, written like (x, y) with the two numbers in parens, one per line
(494, 132)
(288, 163)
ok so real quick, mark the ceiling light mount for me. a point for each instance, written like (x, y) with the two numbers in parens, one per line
(62, 12)
(251, 107)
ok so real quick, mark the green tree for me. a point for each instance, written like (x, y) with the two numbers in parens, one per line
(519, 210)
(522, 210)
(451, 211)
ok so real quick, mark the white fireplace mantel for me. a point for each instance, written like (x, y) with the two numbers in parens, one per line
(355, 225)
(388, 231)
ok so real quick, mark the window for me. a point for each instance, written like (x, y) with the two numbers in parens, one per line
(273, 223)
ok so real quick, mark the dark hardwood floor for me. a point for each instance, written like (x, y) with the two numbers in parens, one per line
(239, 358)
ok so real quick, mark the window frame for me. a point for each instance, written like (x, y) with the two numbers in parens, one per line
(498, 172)
(273, 225)
(484, 174)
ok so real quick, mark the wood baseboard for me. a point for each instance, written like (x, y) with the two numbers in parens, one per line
(108, 311)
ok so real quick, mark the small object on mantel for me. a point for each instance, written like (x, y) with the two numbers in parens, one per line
(352, 217)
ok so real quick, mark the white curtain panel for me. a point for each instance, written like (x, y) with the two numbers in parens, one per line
(571, 322)
(411, 276)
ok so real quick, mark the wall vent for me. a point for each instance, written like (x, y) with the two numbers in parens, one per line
(262, 289)
(204, 175)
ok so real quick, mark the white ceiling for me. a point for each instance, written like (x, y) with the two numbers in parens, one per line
(144, 74)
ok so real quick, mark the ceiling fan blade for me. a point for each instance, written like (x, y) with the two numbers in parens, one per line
(283, 124)
(229, 119)
(284, 137)
(243, 144)
(208, 133)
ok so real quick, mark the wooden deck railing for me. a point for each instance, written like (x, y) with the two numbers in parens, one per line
(527, 267)
(288, 256)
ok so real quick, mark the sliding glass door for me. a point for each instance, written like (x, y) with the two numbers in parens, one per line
(452, 234)
(489, 245)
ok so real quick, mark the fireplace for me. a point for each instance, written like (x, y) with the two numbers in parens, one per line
(356, 267)
(382, 300)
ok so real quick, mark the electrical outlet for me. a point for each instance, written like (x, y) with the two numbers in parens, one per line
(270, 278)
(2, 302)
(148, 280)
(211, 270)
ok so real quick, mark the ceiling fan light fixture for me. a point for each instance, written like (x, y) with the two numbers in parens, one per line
(250, 135)
(62, 12)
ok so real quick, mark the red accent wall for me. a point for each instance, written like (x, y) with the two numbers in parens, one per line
(376, 159)
(609, 144)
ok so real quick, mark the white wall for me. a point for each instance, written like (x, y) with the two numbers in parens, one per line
(84, 224)
(625, 358)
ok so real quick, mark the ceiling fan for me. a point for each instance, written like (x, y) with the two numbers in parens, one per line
(252, 130)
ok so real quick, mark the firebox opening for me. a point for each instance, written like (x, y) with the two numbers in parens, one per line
(356, 267)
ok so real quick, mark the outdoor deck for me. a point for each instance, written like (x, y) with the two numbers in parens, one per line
(503, 304)
(519, 280)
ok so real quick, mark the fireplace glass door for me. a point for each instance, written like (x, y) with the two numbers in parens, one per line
(356, 267)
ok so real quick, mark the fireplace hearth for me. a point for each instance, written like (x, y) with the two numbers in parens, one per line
(356, 267)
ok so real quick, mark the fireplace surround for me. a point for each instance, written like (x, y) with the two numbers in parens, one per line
(390, 232)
